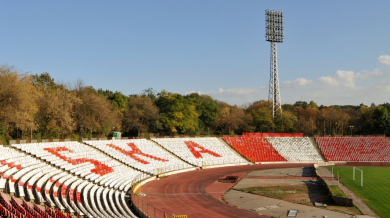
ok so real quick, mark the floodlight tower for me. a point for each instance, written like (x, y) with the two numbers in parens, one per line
(274, 34)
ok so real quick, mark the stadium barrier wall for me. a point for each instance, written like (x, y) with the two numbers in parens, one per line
(267, 134)
(27, 141)
(225, 165)
(347, 202)
(160, 175)
(343, 201)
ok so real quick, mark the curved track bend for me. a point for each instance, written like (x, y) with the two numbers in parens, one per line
(197, 195)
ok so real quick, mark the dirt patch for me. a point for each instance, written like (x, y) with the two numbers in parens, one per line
(298, 198)
(304, 192)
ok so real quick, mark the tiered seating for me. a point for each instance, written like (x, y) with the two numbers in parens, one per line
(8, 210)
(12, 208)
(365, 149)
(60, 188)
(295, 148)
(141, 154)
(10, 163)
(81, 160)
(254, 148)
(201, 151)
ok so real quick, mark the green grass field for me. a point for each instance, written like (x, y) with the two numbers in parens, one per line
(376, 186)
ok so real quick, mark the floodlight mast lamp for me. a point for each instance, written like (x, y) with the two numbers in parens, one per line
(274, 34)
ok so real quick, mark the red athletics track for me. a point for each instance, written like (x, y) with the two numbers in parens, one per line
(191, 193)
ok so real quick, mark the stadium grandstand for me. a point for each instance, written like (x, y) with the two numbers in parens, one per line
(96, 178)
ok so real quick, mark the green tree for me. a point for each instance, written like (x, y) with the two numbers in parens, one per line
(285, 123)
(119, 101)
(302, 104)
(177, 114)
(262, 117)
(207, 109)
(313, 105)
(381, 119)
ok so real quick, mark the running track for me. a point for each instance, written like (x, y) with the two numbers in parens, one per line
(197, 195)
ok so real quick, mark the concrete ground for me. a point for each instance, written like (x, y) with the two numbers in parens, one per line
(278, 208)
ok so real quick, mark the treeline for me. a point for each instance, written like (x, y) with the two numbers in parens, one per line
(36, 107)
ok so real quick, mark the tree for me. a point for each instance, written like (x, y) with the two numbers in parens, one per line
(151, 93)
(95, 115)
(302, 104)
(231, 119)
(55, 117)
(43, 81)
(207, 109)
(306, 119)
(118, 100)
(177, 114)
(17, 102)
(285, 123)
(381, 119)
(313, 105)
(262, 117)
(141, 114)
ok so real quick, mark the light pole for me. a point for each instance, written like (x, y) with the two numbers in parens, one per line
(351, 127)
(274, 34)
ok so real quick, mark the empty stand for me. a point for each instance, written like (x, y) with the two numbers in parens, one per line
(51, 177)
(201, 151)
(295, 148)
(141, 154)
(363, 149)
(255, 149)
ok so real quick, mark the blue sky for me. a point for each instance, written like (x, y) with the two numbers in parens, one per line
(334, 52)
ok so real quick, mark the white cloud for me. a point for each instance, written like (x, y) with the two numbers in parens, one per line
(300, 83)
(327, 81)
(342, 87)
(199, 92)
(237, 96)
(384, 59)
(235, 91)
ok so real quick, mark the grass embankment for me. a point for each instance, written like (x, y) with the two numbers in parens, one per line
(336, 191)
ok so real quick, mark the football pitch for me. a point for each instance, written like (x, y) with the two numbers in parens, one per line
(376, 186)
